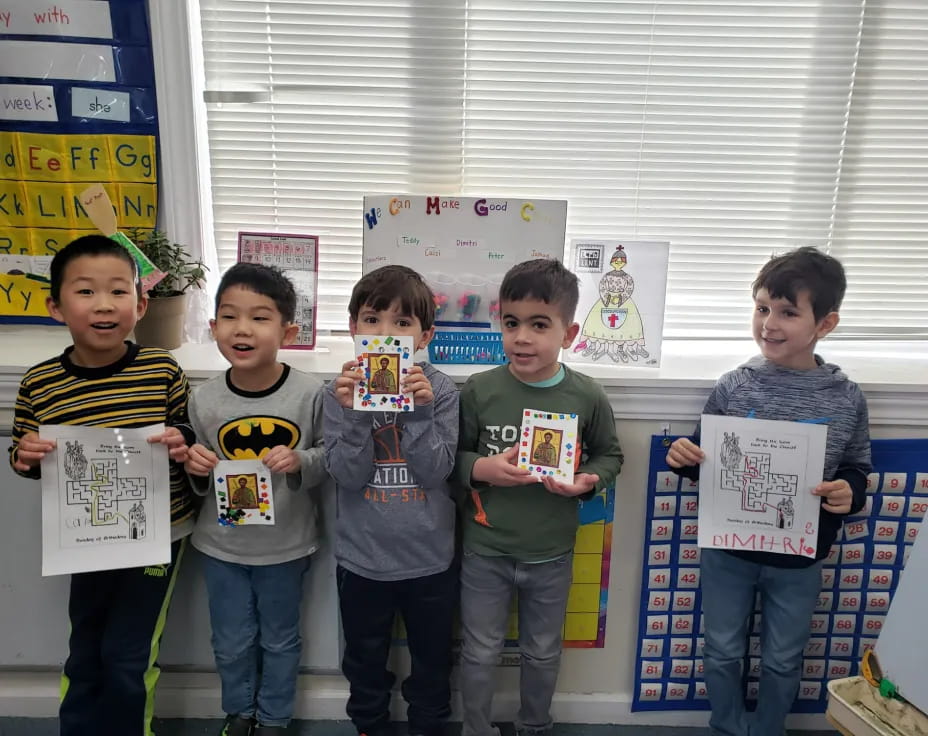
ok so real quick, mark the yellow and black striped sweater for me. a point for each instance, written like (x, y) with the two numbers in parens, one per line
(146, 386)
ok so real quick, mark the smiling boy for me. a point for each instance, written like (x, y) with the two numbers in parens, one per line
(260, 409)
(102, 380)
(518, 533)
(796, 300)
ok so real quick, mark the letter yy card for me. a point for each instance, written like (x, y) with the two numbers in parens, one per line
(548, 444)
(385, 361)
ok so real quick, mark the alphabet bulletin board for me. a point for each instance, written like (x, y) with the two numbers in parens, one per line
(858, 581)
(77, 107)
(462, 246)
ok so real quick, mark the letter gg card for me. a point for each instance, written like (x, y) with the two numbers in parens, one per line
(385, 361)
(243, 493)
(548, 444)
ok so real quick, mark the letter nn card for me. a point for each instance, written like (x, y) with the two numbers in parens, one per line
(385, 361)
(548, 444)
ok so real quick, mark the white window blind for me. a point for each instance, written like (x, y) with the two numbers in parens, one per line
(733, 129)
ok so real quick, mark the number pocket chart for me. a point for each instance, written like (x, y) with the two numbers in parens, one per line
(858, 581)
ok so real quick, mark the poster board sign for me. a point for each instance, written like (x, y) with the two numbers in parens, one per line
(462, 246)
(623, 285)
(77, 107)
(106, 500)
(298, 257)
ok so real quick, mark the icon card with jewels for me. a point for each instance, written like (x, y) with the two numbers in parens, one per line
(385, 361)
(244, 494)
(548, 444)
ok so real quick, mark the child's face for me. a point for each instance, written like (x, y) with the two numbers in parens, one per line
(249, 330)
(533, 334)
(391, 321)
(99, 304)
(787, 333)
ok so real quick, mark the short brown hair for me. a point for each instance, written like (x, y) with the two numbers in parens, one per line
(380, 288)
(804, 269)
(545, 279)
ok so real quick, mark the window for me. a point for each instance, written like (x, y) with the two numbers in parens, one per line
(733, 129)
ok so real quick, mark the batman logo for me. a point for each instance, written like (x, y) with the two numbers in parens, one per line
(249, 438)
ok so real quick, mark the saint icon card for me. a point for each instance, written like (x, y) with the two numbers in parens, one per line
(244, 494)
(385, 362)
(548, 444)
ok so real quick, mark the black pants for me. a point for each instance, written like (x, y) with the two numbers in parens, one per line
(368, 608)
(117, 618)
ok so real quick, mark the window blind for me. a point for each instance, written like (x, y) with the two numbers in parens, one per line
(732, 129)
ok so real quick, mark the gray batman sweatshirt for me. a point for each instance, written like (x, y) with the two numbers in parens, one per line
(395, 518)
(244, 425)
(822, 395)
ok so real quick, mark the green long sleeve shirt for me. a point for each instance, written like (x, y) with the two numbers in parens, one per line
(527, 522)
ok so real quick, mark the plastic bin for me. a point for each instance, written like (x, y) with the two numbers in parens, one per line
(858, 709)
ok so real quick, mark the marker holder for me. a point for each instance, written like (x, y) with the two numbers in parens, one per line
(485, 348)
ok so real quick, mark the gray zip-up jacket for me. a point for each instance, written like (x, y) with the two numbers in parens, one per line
(395, 517)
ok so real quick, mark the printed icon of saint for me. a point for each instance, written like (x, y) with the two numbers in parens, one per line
(383, 381)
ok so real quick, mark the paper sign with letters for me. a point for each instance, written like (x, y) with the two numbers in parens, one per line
(244, 494)
(756, 483)
(385, 361)
(548, 444)
(106, 499)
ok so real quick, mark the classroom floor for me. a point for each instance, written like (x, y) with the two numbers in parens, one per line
(207, 727)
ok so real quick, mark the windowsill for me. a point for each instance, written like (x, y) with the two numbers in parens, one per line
(891, 373)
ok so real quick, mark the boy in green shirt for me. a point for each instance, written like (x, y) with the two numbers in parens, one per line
(519, 533)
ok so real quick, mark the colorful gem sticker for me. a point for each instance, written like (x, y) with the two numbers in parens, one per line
(244, 494)
(548, 444)
(385, 361)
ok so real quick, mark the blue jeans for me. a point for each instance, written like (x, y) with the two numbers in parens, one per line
(487, 585)
(788, 597)
(255, 614)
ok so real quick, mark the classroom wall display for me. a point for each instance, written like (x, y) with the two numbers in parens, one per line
(462, 246)
(77, 107)
(298, 257)
(858, 581)
(623, 284)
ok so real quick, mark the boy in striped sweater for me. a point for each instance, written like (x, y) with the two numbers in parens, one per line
(103, 380)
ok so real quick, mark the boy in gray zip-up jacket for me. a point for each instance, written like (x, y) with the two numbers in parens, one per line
(796, 301)
(394, 529)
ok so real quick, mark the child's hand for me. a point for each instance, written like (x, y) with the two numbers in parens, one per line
(176, 442)
(200, 460)
(583, 483)
(30, 450)
(417, 384)
(346, 382)
(501, 469)
(684, 451)
(282, 459)
(837, 495)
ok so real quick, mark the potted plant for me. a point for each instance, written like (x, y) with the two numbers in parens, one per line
(163, 323)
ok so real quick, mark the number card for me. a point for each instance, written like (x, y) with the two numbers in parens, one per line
(548, 445)
(244, 495)
(385, 361)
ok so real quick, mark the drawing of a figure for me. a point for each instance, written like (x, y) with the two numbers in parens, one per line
(137, 521)
(545, 453)
(243, 496)
(730, 455)
(785, 514)
(613, 326)
(75, 461)
(383, 381)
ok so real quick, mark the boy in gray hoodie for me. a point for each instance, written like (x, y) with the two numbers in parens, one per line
(394, 531)
(796, 300)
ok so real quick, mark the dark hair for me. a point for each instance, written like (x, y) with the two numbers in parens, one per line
(804, 269)
(545, 279)
(264, 280)
(380, 288)
(89, 245)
